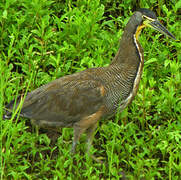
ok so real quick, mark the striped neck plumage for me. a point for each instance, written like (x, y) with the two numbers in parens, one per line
(137, 44)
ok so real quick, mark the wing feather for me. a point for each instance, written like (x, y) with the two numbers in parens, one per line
(63, 101)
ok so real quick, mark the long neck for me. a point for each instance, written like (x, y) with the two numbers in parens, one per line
(125, 71)
(130, 51)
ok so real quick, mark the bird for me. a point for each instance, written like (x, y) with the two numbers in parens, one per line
(81, 99)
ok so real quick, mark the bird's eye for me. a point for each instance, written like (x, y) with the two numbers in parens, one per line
(148, 18)
(143, 17)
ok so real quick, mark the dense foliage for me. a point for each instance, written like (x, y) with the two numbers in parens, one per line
(41, 40)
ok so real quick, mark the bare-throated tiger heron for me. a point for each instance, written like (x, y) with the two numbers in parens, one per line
(81, 99)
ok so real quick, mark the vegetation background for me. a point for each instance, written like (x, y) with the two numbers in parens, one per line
(41, 40)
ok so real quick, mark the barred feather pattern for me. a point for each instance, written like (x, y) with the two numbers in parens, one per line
(121, 81)
(120, 87)
(118, 81)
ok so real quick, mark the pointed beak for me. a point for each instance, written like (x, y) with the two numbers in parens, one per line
(159, 27)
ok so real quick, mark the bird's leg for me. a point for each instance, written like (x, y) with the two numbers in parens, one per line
(90, 135)
(37, 130)
(77, 133)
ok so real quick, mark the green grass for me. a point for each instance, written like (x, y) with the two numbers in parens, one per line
(41, 40)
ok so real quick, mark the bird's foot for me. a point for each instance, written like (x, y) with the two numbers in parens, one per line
(97, 159)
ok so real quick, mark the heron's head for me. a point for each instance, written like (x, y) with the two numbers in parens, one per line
(147, 18)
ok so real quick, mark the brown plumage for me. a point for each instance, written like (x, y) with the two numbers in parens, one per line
(81, 99)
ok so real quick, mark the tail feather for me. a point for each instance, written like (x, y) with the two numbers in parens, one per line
(9, 107)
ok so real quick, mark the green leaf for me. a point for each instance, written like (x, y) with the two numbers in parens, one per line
(5, 14)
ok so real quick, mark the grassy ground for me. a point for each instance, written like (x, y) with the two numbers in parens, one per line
(41, 40)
